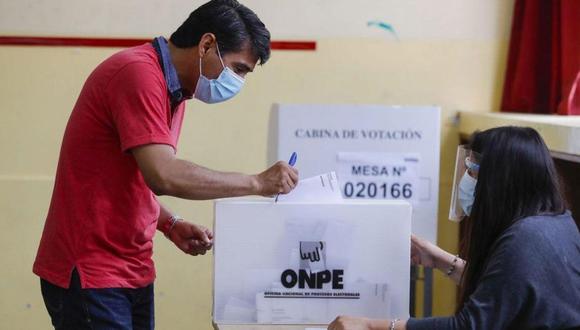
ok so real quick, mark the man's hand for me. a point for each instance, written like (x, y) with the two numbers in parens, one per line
(191, 238)
(281, 178)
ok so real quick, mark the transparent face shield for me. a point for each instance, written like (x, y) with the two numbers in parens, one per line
(464, 182)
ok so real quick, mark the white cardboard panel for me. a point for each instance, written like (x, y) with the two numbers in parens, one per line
(318, 133)
(256, 241)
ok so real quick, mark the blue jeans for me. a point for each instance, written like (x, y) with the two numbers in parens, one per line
(111, 308)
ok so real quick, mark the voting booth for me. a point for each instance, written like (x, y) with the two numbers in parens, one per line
(301, 264)
(379, 152)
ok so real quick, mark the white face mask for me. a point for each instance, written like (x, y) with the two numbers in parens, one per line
(467, 192)
(226, 86)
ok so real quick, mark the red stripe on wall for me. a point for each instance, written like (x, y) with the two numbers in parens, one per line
(293, 45)
(102, 42)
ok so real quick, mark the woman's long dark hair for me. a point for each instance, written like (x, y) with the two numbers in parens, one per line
(517, 179)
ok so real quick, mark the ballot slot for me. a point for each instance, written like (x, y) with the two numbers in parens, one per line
(307, 262)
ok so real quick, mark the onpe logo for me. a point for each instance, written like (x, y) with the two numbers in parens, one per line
(312, 256)
(313, 273)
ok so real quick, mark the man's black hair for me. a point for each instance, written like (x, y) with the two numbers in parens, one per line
(233, 24)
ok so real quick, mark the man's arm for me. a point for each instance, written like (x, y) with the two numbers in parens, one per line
(165, 174)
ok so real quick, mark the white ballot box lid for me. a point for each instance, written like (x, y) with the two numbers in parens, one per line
(301, 264)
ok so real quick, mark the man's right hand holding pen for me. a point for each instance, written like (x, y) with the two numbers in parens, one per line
(281, 178)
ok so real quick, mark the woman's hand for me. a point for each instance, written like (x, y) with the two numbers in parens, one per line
(361, 323)
(423, 252)
(430, 255)
(350, 323)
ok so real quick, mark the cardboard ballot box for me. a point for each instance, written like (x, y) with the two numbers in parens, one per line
(306, 263)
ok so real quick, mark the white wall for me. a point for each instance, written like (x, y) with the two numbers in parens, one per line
(294, 19)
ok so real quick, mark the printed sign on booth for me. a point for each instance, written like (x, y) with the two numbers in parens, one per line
(378, 152)
(379, 175)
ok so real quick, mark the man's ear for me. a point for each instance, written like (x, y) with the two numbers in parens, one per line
(206, 42)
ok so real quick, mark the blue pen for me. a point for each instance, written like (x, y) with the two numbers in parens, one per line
(293, 159)
(291, 162)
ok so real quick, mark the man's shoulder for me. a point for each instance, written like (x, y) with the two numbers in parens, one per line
(142, 53)
(141, 60)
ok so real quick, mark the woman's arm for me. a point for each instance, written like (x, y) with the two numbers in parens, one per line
(361, 323)
(502, 292)
(430, 255)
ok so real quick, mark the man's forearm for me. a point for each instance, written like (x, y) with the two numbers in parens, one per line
(190, 181)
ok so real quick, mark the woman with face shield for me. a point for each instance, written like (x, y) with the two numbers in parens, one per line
(519, 266)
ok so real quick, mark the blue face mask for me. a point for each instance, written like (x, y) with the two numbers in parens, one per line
(467, 192)
(226, 86)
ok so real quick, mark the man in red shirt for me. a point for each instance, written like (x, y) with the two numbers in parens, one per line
(118, 153)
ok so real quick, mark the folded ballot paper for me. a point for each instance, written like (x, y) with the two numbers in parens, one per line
(322, 188)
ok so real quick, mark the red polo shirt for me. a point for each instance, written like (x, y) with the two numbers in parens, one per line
(102, 216)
